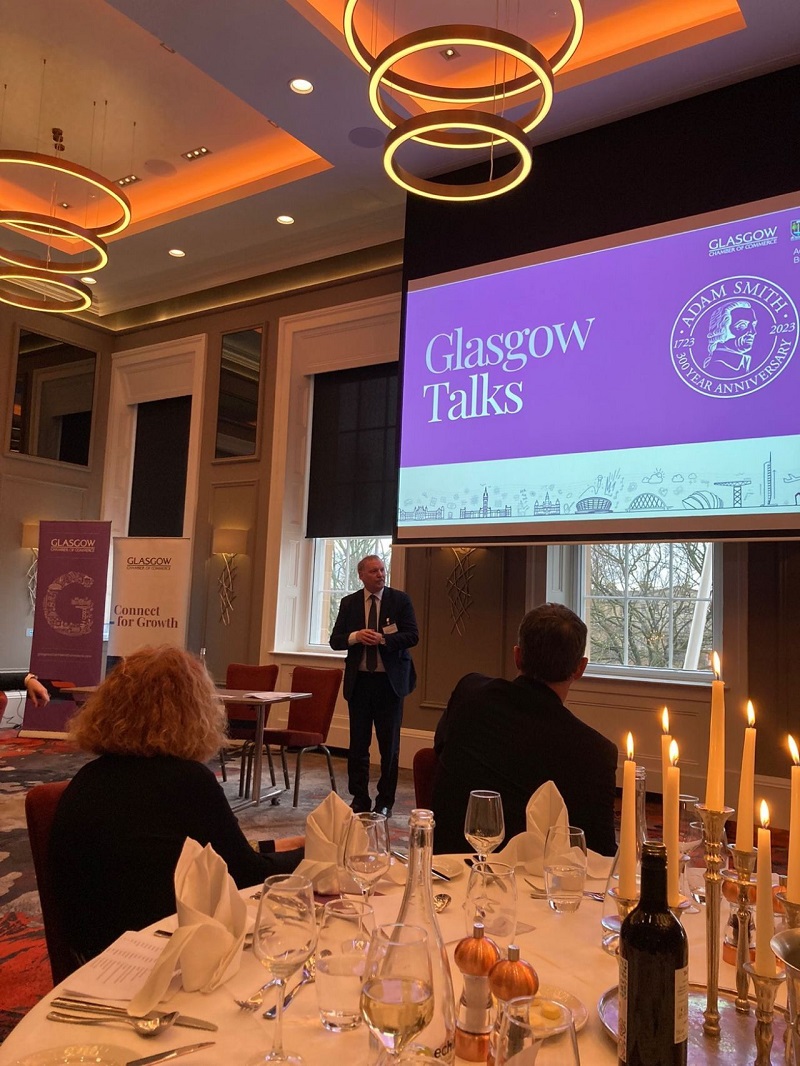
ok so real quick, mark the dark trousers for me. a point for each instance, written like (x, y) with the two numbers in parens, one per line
(373, 702)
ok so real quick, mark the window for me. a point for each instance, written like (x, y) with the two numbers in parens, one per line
(648, 606)
(336, 561)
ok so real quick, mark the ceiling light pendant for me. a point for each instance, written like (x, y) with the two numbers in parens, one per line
(42, 291)
(473, 116)
(40, 281)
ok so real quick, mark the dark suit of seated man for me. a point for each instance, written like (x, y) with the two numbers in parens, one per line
(512, 736)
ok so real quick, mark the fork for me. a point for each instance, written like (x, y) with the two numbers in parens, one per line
(252, 1003)
(539, 893)
(307, 977)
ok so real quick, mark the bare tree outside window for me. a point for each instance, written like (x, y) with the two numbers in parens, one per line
(649, 605)
(336, 575)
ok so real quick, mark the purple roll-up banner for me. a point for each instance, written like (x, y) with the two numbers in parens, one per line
(68, 620)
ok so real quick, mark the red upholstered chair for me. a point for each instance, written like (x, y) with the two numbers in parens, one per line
(309, 720)
(242, 719)
(40, 808)
(424, 767)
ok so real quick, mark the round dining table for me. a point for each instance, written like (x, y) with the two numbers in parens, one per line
(565, 950)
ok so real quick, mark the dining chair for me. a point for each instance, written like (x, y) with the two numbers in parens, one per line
(424, 767)
(242, 719)
(40, 808)
(309, 720)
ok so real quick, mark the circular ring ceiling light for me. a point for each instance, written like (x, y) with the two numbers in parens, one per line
(79, 173)
(452, 127)
(27, 222)
(500, 128)
(79, 296)
(506, 44)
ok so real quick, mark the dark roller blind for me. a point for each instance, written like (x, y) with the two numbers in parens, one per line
(160, 462)
(353, 478)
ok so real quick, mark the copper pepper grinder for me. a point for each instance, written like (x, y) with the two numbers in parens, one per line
(475, 956)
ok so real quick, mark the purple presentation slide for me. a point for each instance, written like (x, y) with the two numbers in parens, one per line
(629, 386)
(677, 340)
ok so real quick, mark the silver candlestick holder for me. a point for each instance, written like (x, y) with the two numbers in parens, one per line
(791, 910)
(744, 863)
(766, 989)
(713, 825)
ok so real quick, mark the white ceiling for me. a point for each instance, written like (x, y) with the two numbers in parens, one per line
(223, 80)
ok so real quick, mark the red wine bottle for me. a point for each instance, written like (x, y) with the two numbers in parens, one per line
(653, 974)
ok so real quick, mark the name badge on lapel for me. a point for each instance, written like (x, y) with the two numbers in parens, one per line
(390, 628)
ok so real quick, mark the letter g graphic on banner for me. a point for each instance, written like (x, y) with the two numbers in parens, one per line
(83, 605)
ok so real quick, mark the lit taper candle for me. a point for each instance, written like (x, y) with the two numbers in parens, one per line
(627, 830)
(715, 781)
(765, 920)
(666, 739)
(793, 866)
(745, 810)
(672, 791)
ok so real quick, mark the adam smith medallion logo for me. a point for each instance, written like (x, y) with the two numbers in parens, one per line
(734, 337)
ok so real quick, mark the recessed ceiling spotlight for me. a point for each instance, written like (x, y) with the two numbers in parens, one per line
(302, 86)
(89, 281)
(65, 205)
(285, 220)
(129, 179)
(178, 253)
(196, 153)
(449, 53)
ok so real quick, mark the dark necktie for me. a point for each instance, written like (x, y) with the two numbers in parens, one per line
(372, 623)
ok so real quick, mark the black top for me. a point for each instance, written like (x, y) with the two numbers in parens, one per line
(512, 737)
(118, 833)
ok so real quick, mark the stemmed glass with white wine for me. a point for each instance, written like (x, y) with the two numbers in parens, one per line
(484, 825)
(284, 936)
(397, 993)
(367, 853)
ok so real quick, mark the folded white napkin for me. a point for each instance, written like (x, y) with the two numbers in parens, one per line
(212, 920)
(326, 828)
(546, 807)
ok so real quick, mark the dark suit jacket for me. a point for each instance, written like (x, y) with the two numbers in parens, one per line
(395, 609)
(512, 736)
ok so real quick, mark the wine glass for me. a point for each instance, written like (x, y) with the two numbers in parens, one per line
(284, 935)
(484, 825)
(367, 854)
(690, 836)
(536, 1029)
(397, 993)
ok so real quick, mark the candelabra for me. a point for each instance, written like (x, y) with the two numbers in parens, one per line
(766, 988)
(713, 824)
(743, 863)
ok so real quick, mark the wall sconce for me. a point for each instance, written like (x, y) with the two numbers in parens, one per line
(30, 540)
(228, 543)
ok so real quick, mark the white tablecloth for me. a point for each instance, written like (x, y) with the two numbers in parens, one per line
(564, 949)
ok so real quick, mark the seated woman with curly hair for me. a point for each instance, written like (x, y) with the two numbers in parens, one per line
(123, 819)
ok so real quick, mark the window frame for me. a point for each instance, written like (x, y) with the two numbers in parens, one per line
(318, 592)
(566, 581)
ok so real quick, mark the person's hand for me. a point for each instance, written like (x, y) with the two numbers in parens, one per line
(36, 691)
(369, 636)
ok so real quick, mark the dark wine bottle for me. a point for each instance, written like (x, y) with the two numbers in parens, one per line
(653, 974)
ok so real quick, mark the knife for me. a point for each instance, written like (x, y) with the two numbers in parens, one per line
(87, 1006)
(436, 873)
(164, 1056)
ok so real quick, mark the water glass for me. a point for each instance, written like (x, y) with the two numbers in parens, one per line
(492, 899)
(345, 932)
(564, 867)
(536, 1030)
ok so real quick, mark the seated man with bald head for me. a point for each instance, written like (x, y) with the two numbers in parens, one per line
(513, 736)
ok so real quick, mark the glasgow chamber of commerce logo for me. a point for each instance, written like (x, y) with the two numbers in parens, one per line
(795, 229)
(734, 337)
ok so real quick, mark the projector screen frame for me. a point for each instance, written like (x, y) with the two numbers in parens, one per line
(627, 528)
